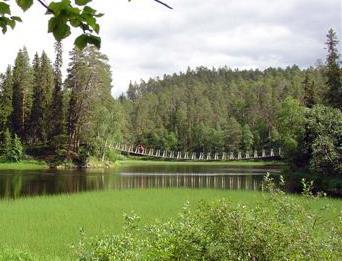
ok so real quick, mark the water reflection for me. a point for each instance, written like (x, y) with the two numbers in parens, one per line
(14, 184)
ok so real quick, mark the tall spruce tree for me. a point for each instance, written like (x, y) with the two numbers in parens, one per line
(333, 71)
(6, 93)
(36, 119)
(89, 82)
(309, 91)
(22, 94)
(57, 122)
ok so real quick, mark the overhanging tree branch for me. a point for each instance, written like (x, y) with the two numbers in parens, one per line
(164, 4)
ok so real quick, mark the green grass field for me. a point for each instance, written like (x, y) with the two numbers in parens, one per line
(47, 226)
(23, 165)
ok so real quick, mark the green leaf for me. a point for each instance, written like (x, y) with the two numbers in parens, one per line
(95, 40)
(81, 41)
(11, 23)
(82, 2)
(52, 24)
(4, 8)
(89, 10)
(24, 4)
(75, 22)
(61, 31)
(16, 18)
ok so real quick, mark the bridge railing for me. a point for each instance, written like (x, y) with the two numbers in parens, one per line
(178, 155)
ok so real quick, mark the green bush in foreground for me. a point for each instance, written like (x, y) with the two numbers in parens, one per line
(276, 228)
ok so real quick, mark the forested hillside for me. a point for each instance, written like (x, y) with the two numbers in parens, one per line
(218, 109)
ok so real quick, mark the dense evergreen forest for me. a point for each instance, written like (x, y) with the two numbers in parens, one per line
(201, 110)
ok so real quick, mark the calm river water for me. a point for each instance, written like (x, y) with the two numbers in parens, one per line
(15, 184)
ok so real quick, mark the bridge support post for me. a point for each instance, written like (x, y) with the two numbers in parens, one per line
(179, 155)
(263, 154)
(223, 156)
(231, 156)
(164, 154)
(239, 155)
(216, 157)
(272, 153)
(247, 155)
(255, 154)
(186, 155)
(193, 156)
(208, 156)
(201, 157)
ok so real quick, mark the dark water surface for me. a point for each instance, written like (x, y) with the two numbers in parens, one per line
(15, 184)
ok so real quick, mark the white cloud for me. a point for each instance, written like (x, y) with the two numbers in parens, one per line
(143, 39)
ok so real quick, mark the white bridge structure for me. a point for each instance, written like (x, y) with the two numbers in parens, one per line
(209, 156)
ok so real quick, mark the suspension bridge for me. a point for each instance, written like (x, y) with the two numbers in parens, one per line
(202, 156)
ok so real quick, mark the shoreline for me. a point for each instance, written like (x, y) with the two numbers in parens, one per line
(94, 164)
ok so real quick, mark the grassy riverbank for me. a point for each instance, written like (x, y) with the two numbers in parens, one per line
(23, 165)
(97, 164)
(47, 226)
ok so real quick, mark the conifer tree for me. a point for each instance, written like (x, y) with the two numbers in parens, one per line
(6, 144)
(56, 108)
(309, 91)
(22, 92)
(36, 119)
(6, 93)
(247, 138)
(333, 71)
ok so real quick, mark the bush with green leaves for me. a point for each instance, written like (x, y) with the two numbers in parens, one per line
(278, 227)
(12, 148)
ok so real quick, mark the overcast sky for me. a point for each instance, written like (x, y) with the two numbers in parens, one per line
(143, 39)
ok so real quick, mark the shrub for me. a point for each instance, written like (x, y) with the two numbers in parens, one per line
(13, 149)
(276, 228)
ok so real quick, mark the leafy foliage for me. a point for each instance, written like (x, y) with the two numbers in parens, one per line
(276, 228)
(12, 148)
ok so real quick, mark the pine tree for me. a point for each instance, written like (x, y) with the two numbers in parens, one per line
(6, 93)
(89, 80)
(247, 138)
(42, 88)
(6, 144)
(22, 92)
(333, 71)
(36, 119)
(56, 108)
(309, 91)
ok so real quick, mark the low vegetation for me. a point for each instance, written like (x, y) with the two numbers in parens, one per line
(54, 222)
(23, 165)
(277, 227)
